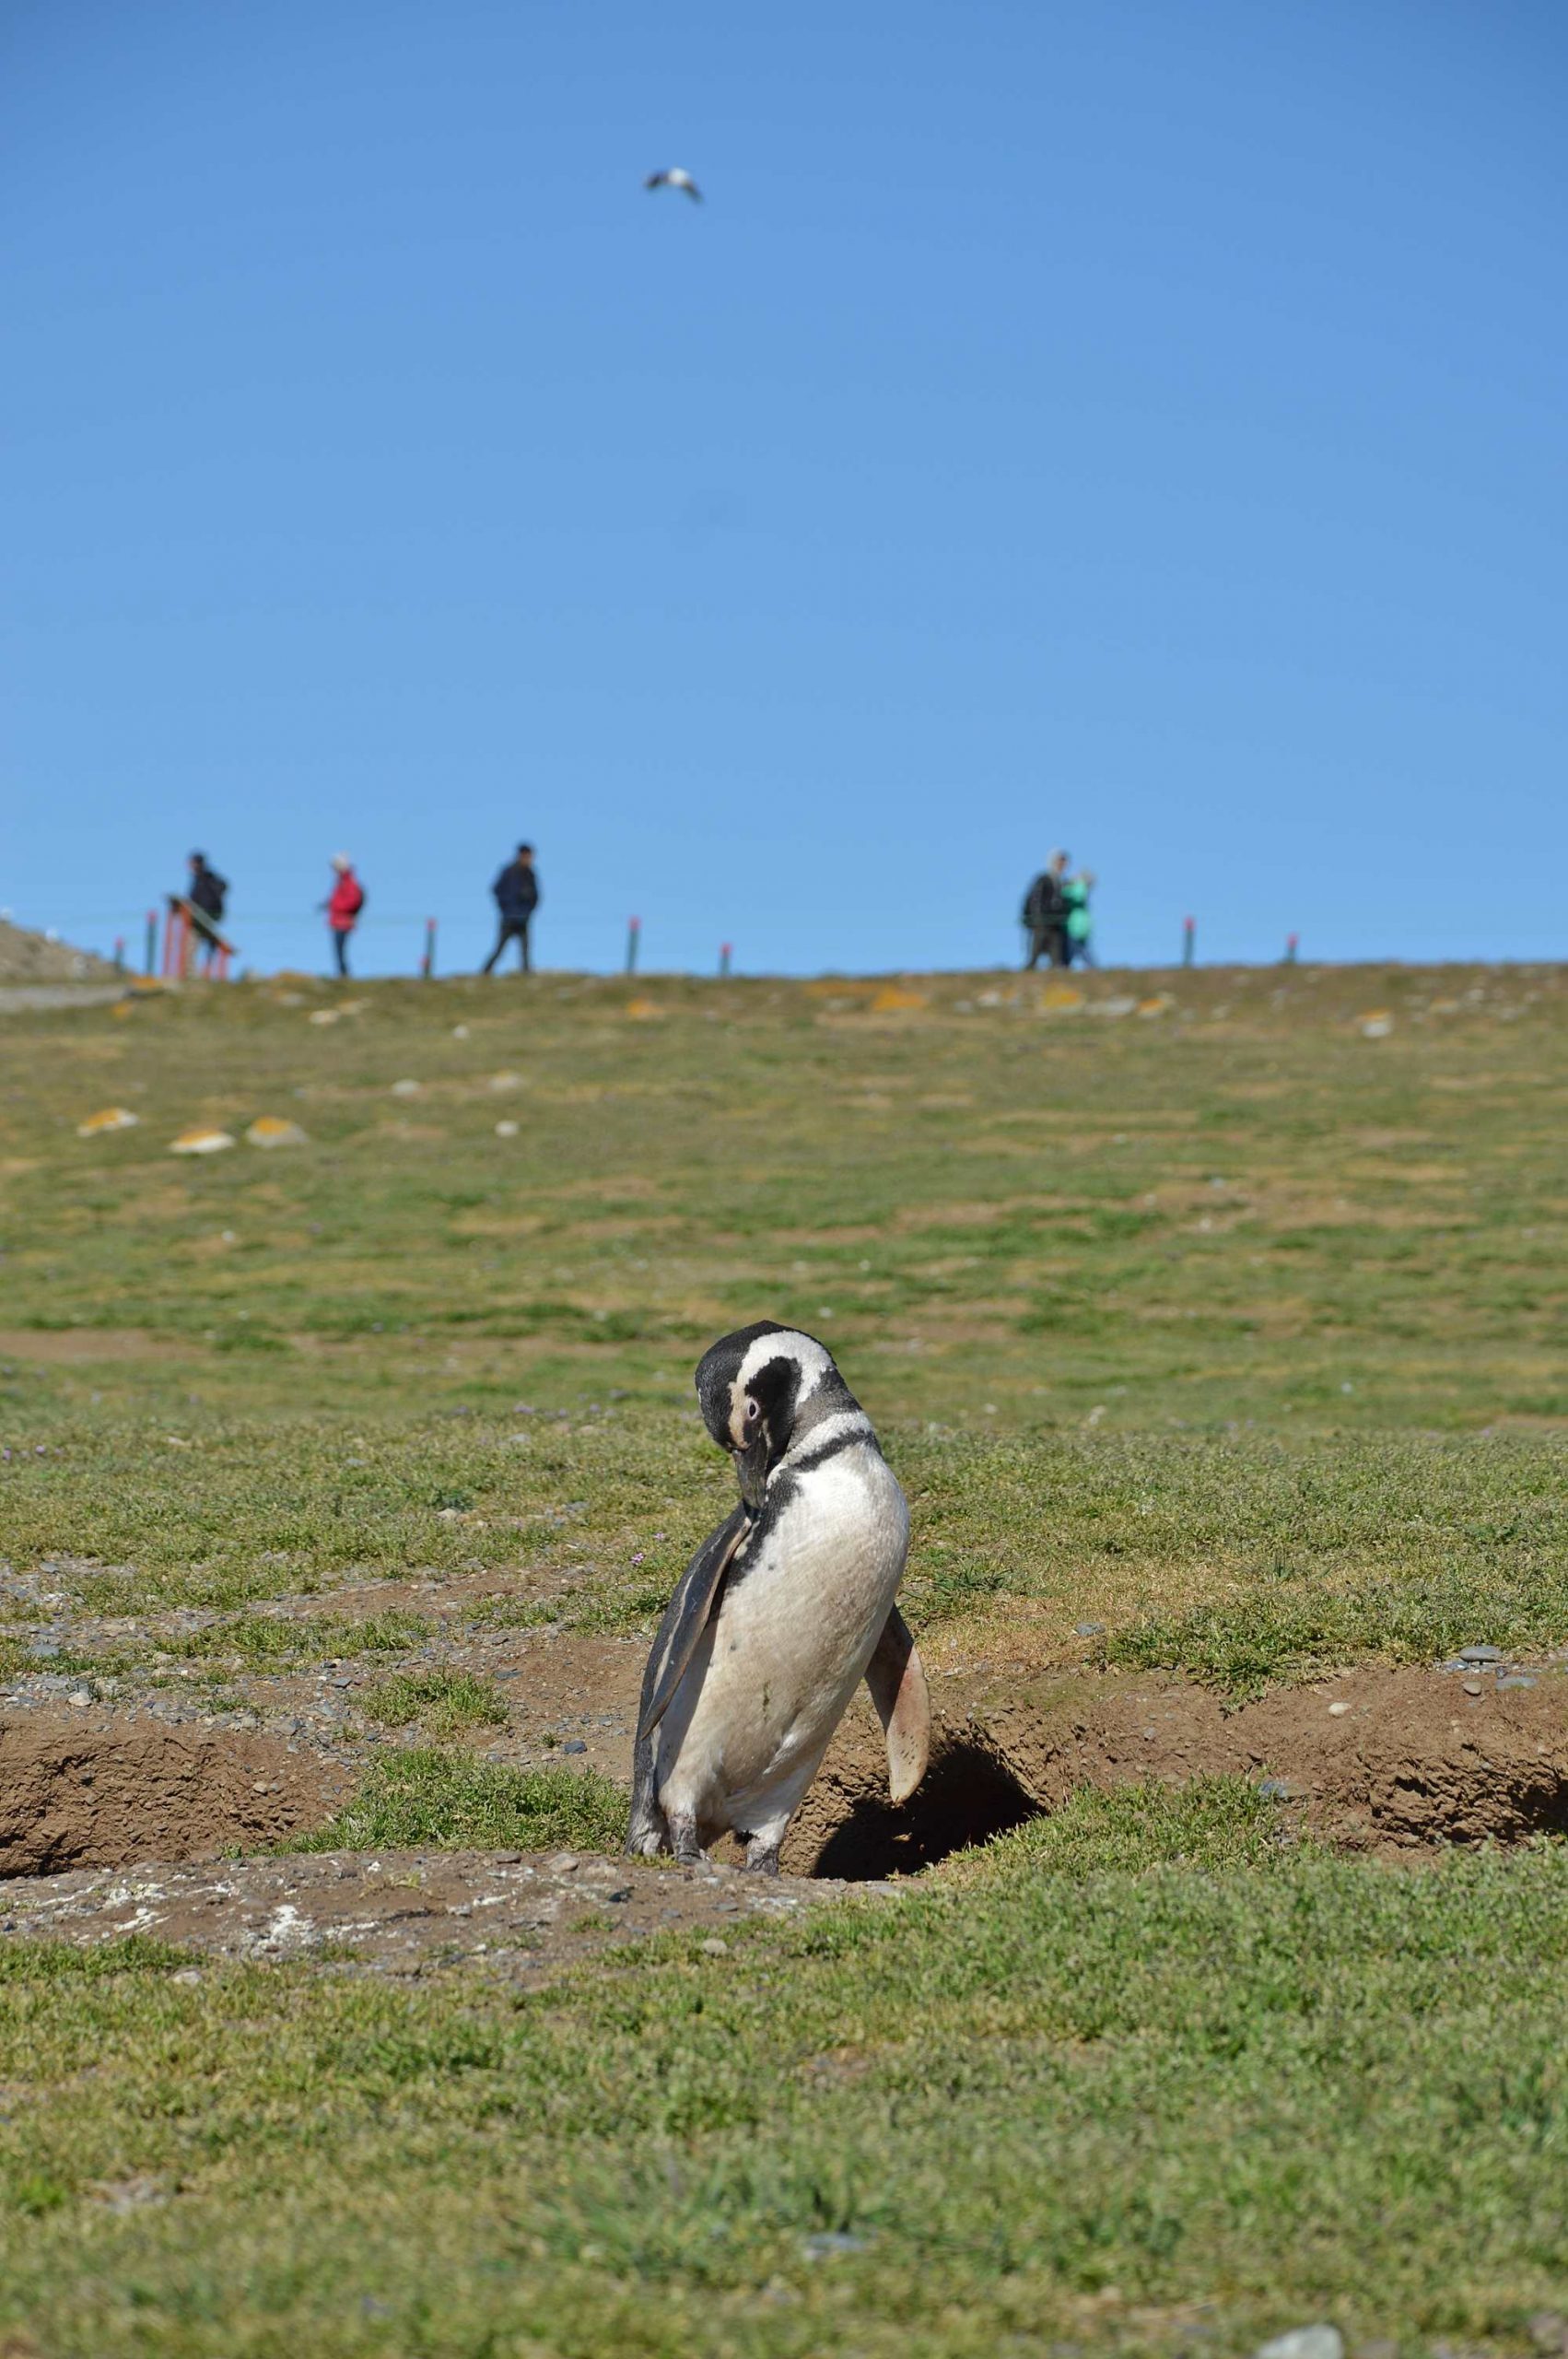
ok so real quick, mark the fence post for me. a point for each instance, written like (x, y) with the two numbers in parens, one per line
(1292, 942)
(119, 953)
(428, 964)
(634, 930)
(1189, 940)
(724, 958)
(152, 940)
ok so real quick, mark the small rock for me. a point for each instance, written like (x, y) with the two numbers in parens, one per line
(80, 1697)
(506, 1130)
(833, 2241)
(1337, 1712)
(189, 1975)
(714, 1946)
(406, 1089)
(1087, 1629)
(1516, 1679)
(1304, 2343)
(1548, 2330)
(1479, 1657)
(574, 1744)
(1472, 1687)
(563, 1864)
(1276, 1790)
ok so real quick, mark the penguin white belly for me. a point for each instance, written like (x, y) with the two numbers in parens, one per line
(769, 1682)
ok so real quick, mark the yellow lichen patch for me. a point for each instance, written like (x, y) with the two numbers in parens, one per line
(1376, 1024)
(1155, 1006)
(1060, 996)
(322, 1015)
(111, 1118)
(895, 996)
(200, 1139)
(641, 1010)
(274, 1130)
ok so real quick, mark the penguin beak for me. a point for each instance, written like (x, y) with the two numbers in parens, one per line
(750, 1465)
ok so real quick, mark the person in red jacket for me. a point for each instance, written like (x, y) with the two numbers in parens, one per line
(343, 909)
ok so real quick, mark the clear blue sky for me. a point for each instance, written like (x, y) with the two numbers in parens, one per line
(1135, 425)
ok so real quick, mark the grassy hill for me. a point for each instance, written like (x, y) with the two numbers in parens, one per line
(1214, 1323)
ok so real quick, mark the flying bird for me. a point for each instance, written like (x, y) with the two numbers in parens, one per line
(675, 178)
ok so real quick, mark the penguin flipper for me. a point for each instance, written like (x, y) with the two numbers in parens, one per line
(685, 1618)
(897, 1681)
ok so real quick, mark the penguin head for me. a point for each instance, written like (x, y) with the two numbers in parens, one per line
(752, 1387)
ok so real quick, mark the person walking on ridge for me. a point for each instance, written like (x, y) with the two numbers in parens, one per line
(343, 908)
(1044, 914)
(517, 897)
(205, 897)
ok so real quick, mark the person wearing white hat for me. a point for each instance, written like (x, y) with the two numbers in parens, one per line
(344, 907)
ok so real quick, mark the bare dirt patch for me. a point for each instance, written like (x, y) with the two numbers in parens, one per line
(64, 1345)
(521, 1915)
(89, 1790)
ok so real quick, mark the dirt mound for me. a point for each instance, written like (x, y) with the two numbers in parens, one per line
(80, 1793)
(1378, 1760)
(28, 958)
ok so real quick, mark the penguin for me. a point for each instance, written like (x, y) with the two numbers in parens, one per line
(781, 1612)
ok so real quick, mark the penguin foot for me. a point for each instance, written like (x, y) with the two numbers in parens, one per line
(762, 1854)
(682, 1838)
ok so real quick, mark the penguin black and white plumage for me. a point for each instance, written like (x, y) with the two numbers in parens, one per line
(781, 1612)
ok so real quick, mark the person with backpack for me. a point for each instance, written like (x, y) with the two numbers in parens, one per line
(343, 908)
(517, 897)
(204, 898)
(1044, 914)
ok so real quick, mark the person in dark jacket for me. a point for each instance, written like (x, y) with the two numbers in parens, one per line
(1044, 914)
(517, 897)
(205, 895)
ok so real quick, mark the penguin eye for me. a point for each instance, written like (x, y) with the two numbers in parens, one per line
(753, 1413)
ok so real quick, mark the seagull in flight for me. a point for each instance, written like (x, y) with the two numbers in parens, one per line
(675, 178)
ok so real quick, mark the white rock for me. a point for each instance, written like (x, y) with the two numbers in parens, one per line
(1304, 2343)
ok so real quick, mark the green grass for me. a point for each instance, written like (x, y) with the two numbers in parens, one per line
(423, 1798)
(1140, 2068)
(1229, 1331)
(1241, 1557)
(445, 1702)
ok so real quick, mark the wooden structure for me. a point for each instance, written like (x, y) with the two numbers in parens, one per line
(187, 929)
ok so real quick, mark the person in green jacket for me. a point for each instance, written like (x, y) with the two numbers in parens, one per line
(1079, 925)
